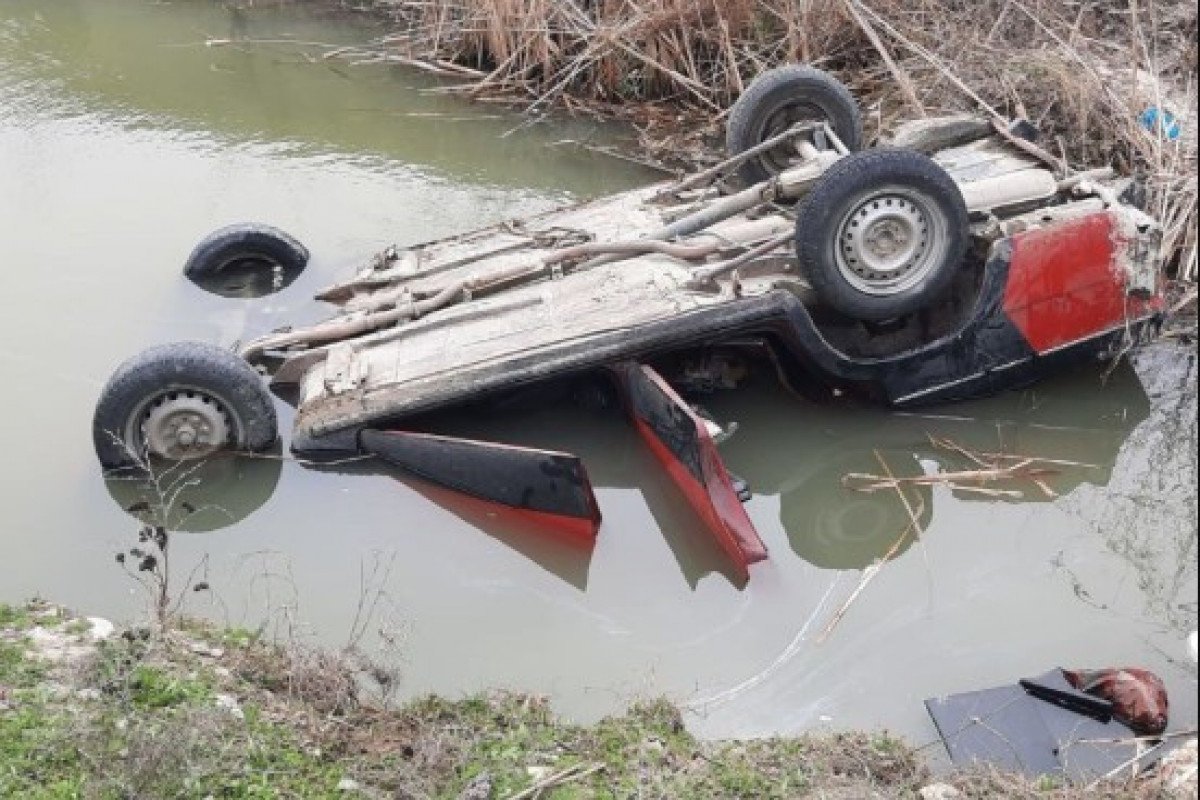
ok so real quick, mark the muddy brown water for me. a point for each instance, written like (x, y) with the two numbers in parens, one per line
(124, 138)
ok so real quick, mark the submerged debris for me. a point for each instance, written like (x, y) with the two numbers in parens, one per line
(986, 469)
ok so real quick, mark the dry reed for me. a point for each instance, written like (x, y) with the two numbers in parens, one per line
(1083, 70)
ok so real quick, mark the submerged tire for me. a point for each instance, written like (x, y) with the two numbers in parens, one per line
(218, 494)
(778, 99)
(882, 234)
(182, 401)
(832, 527)
(246, 260)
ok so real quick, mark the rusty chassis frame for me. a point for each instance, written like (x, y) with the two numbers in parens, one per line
(1059, 270)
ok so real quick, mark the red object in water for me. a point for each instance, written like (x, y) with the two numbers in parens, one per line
(1138, 696)
(680, 441)
(500, 519)
(1066, 283)
(519, 487)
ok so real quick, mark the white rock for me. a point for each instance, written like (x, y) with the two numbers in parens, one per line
(348, 785)
(1194, 645)
(202, 649)
(940, 791)
(227, 702)
(49, 644)
(42, 638)
(538, 774)
(49, 612)
(101, 629)
(1179, 771)
(55, 690)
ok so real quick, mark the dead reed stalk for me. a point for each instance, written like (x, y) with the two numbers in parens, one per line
(1084, 72)
(986, 470)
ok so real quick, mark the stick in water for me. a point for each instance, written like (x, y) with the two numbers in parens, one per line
(914, 528)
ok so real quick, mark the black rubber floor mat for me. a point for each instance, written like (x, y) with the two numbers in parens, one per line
(1012, 730)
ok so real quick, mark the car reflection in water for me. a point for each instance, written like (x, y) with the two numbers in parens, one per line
(1069, 418)
(197, 497)
(800, 451)
(783, 446)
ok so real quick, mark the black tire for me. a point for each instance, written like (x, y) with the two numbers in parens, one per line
(218, 494)
(777, 99)
(246, 260)
(833, 527)
(908, 254)
(181, 370)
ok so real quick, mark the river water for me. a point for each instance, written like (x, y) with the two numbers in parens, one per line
(124, 138)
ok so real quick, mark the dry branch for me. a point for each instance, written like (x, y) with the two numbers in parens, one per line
(569, 775)
(913, 528)
(902, 77)
(1083, 72)
(987, 469)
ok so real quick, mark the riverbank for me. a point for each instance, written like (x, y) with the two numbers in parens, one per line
(1086, 74)
(90, 711)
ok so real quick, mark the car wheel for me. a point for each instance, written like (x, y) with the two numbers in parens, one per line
(246, 260)
(182, 402)
(777, 100)
(882, 234)
(833, 527)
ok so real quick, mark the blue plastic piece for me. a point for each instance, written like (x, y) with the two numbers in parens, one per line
(1160, 121)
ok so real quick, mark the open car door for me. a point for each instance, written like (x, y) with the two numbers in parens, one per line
(680, 440)
(542, 489)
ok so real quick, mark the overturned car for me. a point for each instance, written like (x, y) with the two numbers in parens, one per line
(953, 261)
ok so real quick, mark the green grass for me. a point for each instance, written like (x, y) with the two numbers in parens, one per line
(36, 759)
(154, 687)
(151, 730)
(141, 720)
(148, 725)
(14, 617)
(16, 670)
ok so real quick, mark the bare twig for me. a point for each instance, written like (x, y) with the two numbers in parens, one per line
(902, 78)
(987, 468)
(914, 528)
(1184, 734)
(569, 775)
(1084, 77)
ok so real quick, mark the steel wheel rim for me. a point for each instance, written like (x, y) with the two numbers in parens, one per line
(247, 275)
(889, 241)
(182, 424)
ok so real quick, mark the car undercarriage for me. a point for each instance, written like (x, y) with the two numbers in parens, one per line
(953, 260)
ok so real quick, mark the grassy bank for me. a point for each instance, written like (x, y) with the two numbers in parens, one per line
(206, 713)
(200, 712)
